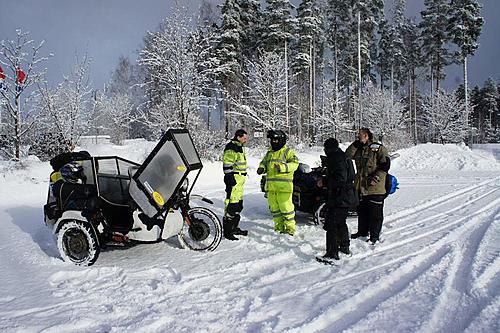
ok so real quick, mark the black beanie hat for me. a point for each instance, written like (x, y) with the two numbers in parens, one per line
(331, 144)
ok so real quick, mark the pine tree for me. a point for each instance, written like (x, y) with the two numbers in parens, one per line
(464, 28)
(488, 108)
(252, 24)
(278, 25)
(307, 54)
(434, 37)
(412, 60)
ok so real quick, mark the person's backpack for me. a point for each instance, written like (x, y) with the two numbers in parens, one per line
(391, 184)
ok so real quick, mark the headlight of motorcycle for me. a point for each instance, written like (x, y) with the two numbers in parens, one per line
(185, 185)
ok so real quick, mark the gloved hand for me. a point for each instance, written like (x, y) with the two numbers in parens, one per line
(260, 170)
(357, 144)
(277, 167)
(373, 179)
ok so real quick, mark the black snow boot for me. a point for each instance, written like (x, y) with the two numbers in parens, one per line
(357, 235)
(345, 250)
(238, 231)
(228, 226)
(331, 255)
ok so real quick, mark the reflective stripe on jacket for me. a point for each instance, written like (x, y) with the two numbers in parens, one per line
(280, 166)
(234, 158)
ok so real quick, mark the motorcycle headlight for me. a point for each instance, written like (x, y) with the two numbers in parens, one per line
(185, 185)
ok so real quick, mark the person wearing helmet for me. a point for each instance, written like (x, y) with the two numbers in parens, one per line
(280, 163)
(235, 172)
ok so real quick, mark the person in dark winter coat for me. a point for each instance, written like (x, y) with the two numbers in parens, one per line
(372, 164)
(341, 197)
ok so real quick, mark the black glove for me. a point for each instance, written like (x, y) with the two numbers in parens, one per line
(260, 170)
(357, 144)
(229, 179)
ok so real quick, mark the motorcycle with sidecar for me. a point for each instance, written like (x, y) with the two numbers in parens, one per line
(122, 203)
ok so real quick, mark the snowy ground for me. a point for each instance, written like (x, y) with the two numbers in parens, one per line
(437, 269)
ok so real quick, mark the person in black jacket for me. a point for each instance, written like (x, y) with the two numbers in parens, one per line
(341, 197)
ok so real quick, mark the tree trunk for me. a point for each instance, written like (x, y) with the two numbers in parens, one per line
(359, 71)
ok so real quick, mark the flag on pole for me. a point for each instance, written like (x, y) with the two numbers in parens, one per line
(20, 76)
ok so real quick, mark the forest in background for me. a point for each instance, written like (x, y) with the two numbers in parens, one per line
(320, 69)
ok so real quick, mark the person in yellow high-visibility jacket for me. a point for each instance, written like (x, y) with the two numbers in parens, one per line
(235, 171)
(280, 164)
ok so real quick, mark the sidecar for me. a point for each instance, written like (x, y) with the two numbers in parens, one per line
(122, 203)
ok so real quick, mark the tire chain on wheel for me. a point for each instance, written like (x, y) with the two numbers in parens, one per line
(90, 237)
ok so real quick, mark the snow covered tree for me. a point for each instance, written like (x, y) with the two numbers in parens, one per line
(115, 116)
(252, 24)
(464, 29)
(278, 26)
(229, 54)
(434, 37)
(412, 61)
(383, 115)
(487, 108)
(331, 119)
(127, 81)
(445, 118)
(175, 85)
(307, 51)
(67, 109)
(204, 44)
(391, 47)
(265, 101)
(20, 62)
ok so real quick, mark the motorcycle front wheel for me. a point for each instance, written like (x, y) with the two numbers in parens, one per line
(203, 233)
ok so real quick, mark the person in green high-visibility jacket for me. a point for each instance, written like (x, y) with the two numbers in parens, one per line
(280, 164)
(235, 171)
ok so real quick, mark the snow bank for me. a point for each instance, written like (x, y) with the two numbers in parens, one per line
(448, 157)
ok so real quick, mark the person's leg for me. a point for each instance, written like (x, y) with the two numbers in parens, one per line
(231, 211)
(238, 195)
(272, 199)
(363, 222)
(287, 210)
(376, 214)
(341, 230)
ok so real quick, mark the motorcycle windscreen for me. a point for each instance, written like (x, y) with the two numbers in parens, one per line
(186, 146)
(159, 179)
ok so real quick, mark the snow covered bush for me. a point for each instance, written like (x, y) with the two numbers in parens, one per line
(115, 113)
(444, 118)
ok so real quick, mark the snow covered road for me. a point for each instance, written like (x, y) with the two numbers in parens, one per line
(437, 269)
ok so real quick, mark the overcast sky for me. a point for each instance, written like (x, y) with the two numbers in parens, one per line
(107, 29)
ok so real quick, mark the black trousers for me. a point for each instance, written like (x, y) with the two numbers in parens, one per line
(371, 216)
(337, 234)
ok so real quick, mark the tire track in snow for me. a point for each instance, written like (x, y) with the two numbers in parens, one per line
(460, 303)
(341, 315)
(409, 213)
